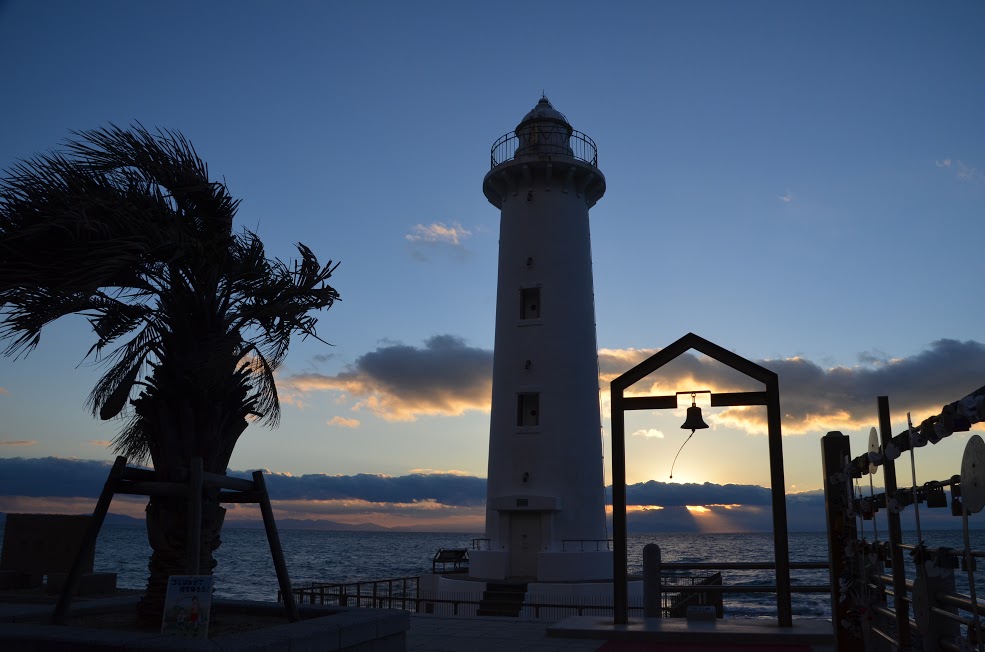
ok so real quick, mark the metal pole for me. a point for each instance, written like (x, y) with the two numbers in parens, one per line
(895, 530)
(620, 554)
(781, 548)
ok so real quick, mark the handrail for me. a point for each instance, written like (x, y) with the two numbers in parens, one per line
(405, 592)
(581, 543)
(739, 565)
(578, 146)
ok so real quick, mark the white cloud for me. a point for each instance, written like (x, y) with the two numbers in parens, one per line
(439, 239)
(962, 171)
(786, 197)
(651, 433)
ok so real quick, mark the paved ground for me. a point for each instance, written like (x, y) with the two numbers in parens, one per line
(487, 634)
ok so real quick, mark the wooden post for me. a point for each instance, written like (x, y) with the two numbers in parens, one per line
(652, 607)
(273, 538)
(620, 553)
(193, 546)
(781, 548)
(841, 531)
(98, 516)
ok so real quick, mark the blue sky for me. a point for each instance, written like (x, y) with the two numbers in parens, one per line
(803, 184)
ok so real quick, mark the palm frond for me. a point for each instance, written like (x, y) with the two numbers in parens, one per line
(124, 227)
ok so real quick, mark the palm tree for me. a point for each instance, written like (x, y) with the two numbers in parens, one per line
(191, 319)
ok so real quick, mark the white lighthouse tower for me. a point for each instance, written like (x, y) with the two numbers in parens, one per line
(545, 508)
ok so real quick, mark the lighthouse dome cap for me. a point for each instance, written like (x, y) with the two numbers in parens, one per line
(544, 112)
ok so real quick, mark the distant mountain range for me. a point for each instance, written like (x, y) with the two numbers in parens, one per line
(283, 524)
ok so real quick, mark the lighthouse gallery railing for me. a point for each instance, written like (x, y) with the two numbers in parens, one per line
(579, 146)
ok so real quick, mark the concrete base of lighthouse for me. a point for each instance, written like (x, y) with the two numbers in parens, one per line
(550, 566)
(453, 595)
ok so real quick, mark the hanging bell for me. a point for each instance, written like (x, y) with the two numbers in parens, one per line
(694, 421)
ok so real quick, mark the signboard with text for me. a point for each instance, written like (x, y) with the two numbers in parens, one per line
(186, 606)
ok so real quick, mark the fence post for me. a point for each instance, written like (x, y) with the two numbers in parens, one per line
(651, 581)
(841, 533)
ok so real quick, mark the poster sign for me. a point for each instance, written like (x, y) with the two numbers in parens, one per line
(186, 606)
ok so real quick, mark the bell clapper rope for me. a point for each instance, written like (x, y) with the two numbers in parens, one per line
(694, 422)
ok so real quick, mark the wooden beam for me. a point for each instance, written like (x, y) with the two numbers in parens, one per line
(649, 403)
(738, 398)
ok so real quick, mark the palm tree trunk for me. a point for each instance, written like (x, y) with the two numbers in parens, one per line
(167, 530)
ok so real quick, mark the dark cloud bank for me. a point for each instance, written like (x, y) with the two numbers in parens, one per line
(731, 508)
(447, 377)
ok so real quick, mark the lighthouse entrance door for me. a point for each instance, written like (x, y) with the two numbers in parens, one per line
(524, 543)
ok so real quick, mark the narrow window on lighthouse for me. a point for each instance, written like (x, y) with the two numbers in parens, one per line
(528, 409)
(530, 303)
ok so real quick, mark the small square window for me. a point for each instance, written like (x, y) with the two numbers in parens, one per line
(530, 303)
(528, 409)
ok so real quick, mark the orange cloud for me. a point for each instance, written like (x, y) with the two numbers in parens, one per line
(439, 232)
(343, 422)
(441, 472)
(19, 442)
(421, 514)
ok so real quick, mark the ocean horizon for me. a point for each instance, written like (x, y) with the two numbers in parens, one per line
(245, 568)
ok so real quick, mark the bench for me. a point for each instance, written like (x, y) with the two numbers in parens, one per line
(457, 557)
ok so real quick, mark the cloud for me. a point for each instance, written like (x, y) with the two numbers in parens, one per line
(52, 476)
(19, 442)
(651, 433)
(401, 383)
(343, 422)
(786, 197)
(435, 238)
(440, 472)
(104, 443)
(445, 488)
(447, 378)
(439, 232)
(132, 506)
(446, 501)
(4, 391)
(814, 398)
(962, 171)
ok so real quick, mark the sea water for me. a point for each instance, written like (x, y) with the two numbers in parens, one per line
(245, 568)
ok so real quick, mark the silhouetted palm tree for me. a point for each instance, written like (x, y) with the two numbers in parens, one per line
(190, 318)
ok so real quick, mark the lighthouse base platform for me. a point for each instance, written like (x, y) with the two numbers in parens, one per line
(459, 596)
(587, 566)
